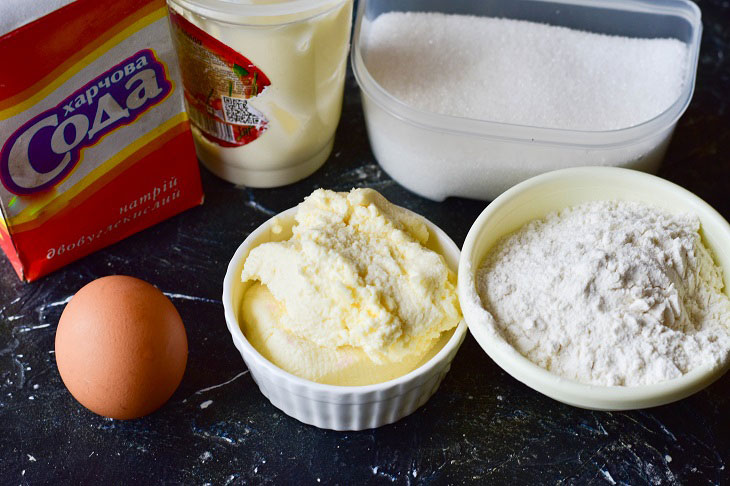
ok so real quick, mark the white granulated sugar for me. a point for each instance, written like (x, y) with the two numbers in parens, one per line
(609, 293)
(523, 73)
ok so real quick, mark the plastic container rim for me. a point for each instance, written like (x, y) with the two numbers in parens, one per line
(541, 135)
(239, 12)
(339, 391)
(540, 379)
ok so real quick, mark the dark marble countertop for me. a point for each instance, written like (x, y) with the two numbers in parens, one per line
(481, 426)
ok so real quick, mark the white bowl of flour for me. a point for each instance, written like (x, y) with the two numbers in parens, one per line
(592, 286)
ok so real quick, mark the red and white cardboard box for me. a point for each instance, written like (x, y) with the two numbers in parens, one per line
(95, 143)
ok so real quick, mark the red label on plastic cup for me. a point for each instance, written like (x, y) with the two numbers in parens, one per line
(218, 82)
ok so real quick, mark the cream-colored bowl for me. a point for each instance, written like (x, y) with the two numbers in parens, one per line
(537, 197)
(330, 406)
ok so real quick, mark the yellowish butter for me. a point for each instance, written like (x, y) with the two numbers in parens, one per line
(355, 277)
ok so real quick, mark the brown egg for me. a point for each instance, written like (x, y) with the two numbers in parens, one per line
(121, 347)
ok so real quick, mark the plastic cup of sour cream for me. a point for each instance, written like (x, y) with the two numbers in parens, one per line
(263, 83)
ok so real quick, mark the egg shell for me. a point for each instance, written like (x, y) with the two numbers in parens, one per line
(121, 347)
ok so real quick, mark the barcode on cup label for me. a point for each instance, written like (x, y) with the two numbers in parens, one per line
(239, 112)
(210, 125)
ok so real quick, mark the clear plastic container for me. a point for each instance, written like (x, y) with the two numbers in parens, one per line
(438, 156)
(263, 83)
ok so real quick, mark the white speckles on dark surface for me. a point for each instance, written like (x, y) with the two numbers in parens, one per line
(33, 328)
(173, 296)
(230, 479)
(607, 476)
(255, 205)
(481, 426)
(213, 387)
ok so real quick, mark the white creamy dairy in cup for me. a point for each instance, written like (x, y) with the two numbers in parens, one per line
(301, 47)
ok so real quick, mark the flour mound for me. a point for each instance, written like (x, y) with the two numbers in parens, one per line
(609, 293)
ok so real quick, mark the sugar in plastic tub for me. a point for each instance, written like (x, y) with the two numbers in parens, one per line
(438, 155)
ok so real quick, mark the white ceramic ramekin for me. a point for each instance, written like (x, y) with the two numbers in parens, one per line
(549, 192)
(329, 406)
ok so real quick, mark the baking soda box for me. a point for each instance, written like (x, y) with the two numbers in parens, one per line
(95, 141)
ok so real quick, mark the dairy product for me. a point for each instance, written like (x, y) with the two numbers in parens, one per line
(355, 286)
(263, 84)
(344, 365)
